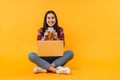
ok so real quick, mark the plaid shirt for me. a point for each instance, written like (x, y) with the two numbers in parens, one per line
(60, 33)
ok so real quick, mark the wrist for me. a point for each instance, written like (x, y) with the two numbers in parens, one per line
(43, 39)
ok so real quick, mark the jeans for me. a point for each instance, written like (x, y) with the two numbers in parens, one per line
(45, 62)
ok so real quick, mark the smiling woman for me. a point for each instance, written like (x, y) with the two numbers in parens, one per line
(51, 31)
(92, 31)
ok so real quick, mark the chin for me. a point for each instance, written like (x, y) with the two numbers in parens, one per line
(51, 25)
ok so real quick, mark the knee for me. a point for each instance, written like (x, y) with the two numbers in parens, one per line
(69, 53)
(32, 56)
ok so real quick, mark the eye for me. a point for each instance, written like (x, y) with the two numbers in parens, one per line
(53, 17)
(48, 17)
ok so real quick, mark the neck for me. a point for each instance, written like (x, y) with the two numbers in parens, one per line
(50, 26)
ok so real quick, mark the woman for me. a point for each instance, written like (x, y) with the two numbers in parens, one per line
(51, 31)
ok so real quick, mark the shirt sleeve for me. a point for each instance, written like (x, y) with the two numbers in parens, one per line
(39, 36)
(61, 34)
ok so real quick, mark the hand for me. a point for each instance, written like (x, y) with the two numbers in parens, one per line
(45, 35)
(55, 35)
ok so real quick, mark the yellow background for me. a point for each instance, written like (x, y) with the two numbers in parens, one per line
(92, 31)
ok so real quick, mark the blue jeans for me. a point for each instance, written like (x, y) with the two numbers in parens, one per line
(45, 62)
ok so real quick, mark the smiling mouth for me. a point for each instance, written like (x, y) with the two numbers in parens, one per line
(51, 23)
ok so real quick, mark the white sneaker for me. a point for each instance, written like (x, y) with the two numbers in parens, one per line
(65, 70)
(39, 69)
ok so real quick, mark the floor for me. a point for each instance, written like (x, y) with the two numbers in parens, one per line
(20, 68)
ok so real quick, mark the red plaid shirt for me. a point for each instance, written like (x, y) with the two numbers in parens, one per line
(61, 34)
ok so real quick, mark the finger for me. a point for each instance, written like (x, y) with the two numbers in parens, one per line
(46, 30)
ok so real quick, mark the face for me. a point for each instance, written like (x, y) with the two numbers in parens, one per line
(50, 19)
